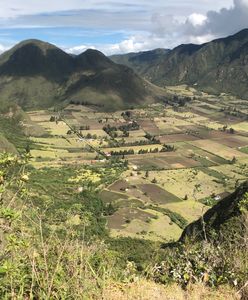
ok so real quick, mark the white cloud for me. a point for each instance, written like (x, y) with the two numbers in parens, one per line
(134, 43)
(78, 49)
(197, 19)
(147, 25)
(3, 48)
(201, 39)
(167, 31)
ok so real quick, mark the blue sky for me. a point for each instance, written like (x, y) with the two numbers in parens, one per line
(119, 26)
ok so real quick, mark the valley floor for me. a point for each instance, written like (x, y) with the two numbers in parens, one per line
(180, 160)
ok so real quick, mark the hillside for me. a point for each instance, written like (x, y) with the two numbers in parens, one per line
(227, 219)
(140, 61)
(36, 74)
(55, 245)
(215, 67)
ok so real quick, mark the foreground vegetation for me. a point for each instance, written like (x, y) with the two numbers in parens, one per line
(93, 204)
(45, 256)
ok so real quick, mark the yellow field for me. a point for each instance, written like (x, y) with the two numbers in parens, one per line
(151, 230)
(243, 126)
(40, 116)
(218, 149)
(232, 171)
(54, 128)
(191, 210)
(183, 182)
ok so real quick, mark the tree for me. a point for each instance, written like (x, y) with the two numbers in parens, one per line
(27, 149)
(224, 128)
(109, 210)
(52, 119)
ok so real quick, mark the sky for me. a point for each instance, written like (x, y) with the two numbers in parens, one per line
(119, 26)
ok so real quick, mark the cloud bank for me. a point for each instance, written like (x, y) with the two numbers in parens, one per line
(144, 26)
(167, 31)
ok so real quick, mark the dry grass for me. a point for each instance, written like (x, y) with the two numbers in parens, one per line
(147, 290)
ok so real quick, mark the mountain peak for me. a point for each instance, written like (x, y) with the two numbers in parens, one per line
(35, 57)
(43, 46)
(92, 59)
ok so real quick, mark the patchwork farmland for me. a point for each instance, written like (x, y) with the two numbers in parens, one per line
(179, 160)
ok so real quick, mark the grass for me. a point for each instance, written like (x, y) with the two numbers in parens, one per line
(213, 172)
(146, 290)
(174, 217)
(11, 130)
(109, 197)
(190, 210)
(6, 146)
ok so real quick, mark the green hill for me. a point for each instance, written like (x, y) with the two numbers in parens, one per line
(36, 74)
(215, 67)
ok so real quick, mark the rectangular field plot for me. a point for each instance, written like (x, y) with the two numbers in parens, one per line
(54, 128)
(199, 154)
(149, 127)
(119, 219)
(163, 161)
(150, 229)
(146, 162)
(132, 139)
(233, 141)
(218, 149)
(119, 186)
(157, 194)
(181, 137)
(84, 121)
(40, 116)
(170, 125)
(193, 183)
(242, 126)
(234, 172)
(203, 132)
(110, 197)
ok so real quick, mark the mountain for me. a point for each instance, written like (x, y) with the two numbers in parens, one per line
(140, 61)
(228, 219)
(36, 74)
(215, 67)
